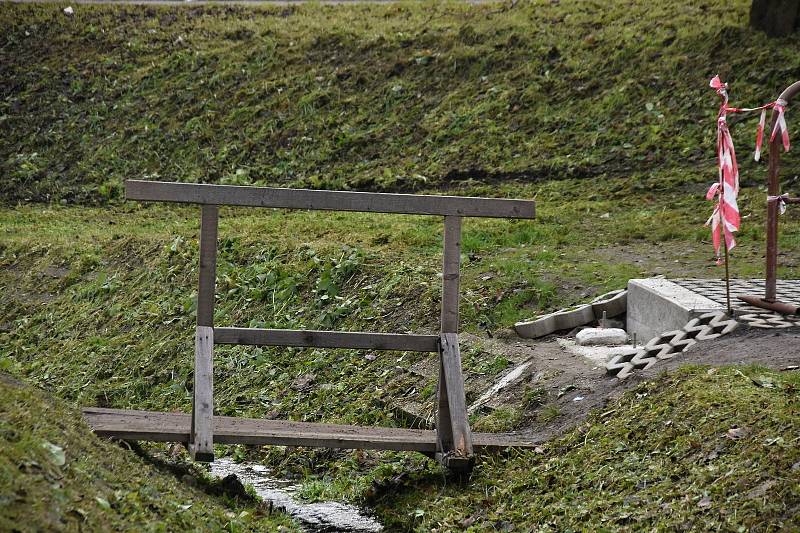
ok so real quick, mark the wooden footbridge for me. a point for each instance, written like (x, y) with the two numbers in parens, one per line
(452, 443)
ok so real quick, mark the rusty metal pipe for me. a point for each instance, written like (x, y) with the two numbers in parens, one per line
(774, 189)
(780, 307)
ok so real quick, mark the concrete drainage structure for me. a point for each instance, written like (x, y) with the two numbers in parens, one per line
(689, 310)
(612, 303)
(667, 345)
(660, 304)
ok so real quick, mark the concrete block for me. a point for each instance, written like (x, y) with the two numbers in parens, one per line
(596, 354)
(602, 337)
(621, 363)
(614, 303)
(656, 305)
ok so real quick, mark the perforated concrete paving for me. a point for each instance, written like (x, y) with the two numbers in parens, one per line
(788, 291)
(690, 297)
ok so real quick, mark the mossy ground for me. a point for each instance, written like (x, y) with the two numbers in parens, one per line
(703, 449)
(602, 114)
(55, 475)
(386, 97)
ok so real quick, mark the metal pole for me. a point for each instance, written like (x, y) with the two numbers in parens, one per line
(774, 189)
(727, 280)
(769, 301)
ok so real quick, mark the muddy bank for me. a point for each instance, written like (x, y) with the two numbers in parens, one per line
(318, 517)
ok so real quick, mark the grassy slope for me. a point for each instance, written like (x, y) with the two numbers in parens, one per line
(90, 284)
(98, 306)
(372, 97)
(99, 310)
(701, 450)
(56, 476)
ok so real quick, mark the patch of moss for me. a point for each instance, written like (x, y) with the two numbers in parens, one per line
(55, 475)
(499, 420)
(387, 97)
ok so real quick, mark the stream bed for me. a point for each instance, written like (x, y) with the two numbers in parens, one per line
(314, 517)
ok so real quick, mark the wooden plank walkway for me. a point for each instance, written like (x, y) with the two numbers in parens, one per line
(129, 424)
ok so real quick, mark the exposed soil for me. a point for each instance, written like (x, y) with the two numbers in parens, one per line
(778, 349)
(558, 389)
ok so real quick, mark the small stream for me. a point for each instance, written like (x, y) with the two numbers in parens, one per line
(315, 517)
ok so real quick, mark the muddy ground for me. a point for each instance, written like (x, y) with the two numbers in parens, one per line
(558, 389)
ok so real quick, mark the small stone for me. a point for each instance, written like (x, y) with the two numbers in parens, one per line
(602, 337)
(736, 433)
(303, 382)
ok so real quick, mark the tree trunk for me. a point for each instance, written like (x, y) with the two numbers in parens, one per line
(777, 18)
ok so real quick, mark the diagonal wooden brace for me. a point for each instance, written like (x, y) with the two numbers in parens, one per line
(454, 438)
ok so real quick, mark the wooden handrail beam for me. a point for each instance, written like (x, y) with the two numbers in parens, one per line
(355, 340)
(372, 202)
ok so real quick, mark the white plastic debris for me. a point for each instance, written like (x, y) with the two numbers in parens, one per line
(69, 11)
(602, 337)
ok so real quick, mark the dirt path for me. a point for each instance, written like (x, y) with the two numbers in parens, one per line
(558, 389)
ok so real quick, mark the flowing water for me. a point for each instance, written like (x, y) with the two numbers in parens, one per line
(316, 517)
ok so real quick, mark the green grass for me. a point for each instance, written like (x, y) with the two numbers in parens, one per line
(600, 113)
(127, 286)
(55, 475)
(700, 450)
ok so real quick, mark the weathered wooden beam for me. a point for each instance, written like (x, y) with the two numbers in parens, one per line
(208, 265)
(460, 456)
(155, 426)
(450, 274)
(454, 441)
(413, 204)
(201, 441)
(327, 339)
(444, 426)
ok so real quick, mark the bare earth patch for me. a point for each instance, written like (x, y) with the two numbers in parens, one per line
(557, 389)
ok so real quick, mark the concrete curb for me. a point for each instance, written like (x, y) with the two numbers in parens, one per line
(613, 303)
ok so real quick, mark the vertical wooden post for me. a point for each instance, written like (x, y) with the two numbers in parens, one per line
(208, 265)
(454, 440)
(450, 273)
(201, 440)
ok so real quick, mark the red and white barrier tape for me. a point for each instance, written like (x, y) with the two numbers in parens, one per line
(725, 220)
